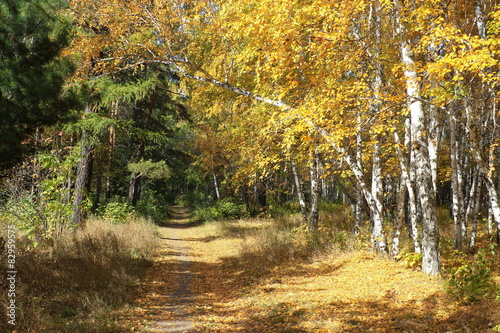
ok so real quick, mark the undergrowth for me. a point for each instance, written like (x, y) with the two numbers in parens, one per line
(471, 280)
(285, 238)
(71, 285)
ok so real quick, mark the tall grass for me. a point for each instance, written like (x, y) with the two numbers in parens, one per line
(285, 238)
(70, 286)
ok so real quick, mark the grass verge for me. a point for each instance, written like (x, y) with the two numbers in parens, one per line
(73, 285)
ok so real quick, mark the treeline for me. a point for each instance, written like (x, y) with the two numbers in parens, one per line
(390, 106)
(70, 148)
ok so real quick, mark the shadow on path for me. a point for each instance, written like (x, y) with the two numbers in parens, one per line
(180, 219)
(175, 268)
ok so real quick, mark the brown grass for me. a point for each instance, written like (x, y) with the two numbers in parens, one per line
(72, 286)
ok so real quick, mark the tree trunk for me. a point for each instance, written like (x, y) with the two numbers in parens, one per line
(380, 243)
(359, 211)
(457, 195)
(300, 193)
(421, 162)
(474, 208)
(405, 176)
(83, 177)
(377, 184)
(482, 165)
(216, 186)
(315, 193)
(261, 193)
(111, 152)
(433, 142)
(377, 191)
(400, 215)
(134, 188)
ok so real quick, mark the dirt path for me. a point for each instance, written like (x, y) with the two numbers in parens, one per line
(169, 296)
(224, 277)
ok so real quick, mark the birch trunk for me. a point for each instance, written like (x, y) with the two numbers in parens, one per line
(457, 196)
(433, 142)
(377, 186)
(412, 191)
(358, 208)
(421, 162)
(473, 208)
(300, 193)
(400, 215)
(315, 193)
(216, 186)
(482, 166)
(405, 177)
(378, 235)
(377, 191)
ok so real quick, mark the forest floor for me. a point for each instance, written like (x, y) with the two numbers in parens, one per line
(205, 278)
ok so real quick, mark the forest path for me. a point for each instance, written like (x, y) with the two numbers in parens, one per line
(168, 296)
(238, 276)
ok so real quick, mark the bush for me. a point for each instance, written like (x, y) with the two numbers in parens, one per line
(195, 199)
(471, 282)
(223, 209)
(153, 205)
(116, 212)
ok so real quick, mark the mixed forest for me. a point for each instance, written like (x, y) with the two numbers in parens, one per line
(385, 109)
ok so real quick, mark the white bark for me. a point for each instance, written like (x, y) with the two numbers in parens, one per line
(400, 215)
(377, 189)
(315, 192)
(300, 193)
(216, 186)
(421, 162)
(473, 208)
(482, 165)
(456, 179)
(358, 209)
(433, 143)
(405, 176)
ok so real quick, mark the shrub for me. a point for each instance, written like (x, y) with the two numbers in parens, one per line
(152, 205)
(195, 199)
(471, 282)
(223, 209)
(116, 212)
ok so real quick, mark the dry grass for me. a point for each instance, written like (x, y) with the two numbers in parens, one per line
(72, 286)
(259, 280)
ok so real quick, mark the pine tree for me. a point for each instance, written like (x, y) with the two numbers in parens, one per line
(32, 34)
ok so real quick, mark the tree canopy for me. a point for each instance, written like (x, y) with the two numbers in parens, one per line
(390, 105)
(32, 72)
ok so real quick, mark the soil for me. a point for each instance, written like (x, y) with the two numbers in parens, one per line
(171, 298)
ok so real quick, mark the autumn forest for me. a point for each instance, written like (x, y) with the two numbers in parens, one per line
(369, 124)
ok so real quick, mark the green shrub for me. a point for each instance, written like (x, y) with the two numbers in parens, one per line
(221, 210)
(207, 214)
(39, 205)
(116, 212)
(471, 282)
(228, 209)
(195, 199)
(153, 205)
